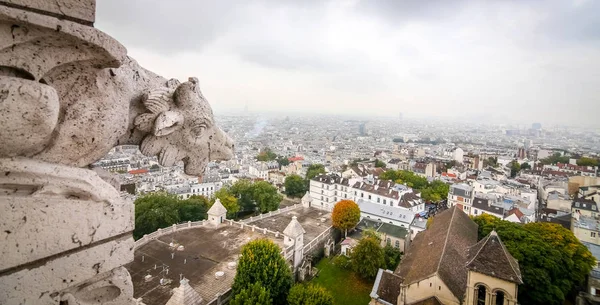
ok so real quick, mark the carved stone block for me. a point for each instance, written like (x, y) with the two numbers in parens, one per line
(83, 11)
(46, 282)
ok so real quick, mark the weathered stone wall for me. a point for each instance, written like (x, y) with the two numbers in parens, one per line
(68, 94)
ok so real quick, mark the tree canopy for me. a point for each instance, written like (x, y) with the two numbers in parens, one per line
(254, 294)
(345, 215)
(555, 158)
(551, 259)
(261, 195)
(434, 191)
(295, 186)
(584, 161)
(367, 257)
(266, 196)
(392, 256)
(242, 190)
(192, 209)
(314, 170)
(159, 210)
(406, 177)
(309, 295)
(261, 263)
(515, 167)
(266, 155)
(379, 163)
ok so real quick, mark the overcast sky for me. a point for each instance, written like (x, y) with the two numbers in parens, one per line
(522, 60)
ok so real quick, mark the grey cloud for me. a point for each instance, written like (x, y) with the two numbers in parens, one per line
(399, 11)
(168, 27)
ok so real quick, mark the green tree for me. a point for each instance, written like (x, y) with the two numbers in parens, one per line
(154, 211)
(451, 164)
(525, 166)
(551, 259)
(584, 161)
(392, 256)
(409, 178)
(192, 209)
(242, 190)
(379, 163)
(266, 196)
(491, 161)
(295, 186)
(228, 200)
(254, 294)
(266, 155)
(283, 161)
(515, 167)
(155, 166)
(262, 263)
(367, 257)
(345, 215)
(314, 170)
(309, 295)
(555, 158)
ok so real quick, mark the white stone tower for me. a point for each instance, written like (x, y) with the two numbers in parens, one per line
(306, 200)
(294, 236)
(217, 213)
(184, 295)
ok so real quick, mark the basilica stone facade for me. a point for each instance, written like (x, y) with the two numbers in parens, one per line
(68, 94)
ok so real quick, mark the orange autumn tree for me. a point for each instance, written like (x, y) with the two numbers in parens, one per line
(345, 215)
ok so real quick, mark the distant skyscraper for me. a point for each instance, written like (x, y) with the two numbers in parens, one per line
(246, 108)
(400, 116)
(537, 126)
(362, 129)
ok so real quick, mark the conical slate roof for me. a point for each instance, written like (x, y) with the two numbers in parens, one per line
(294, 229)
(184, 295)
(217, 208)
(489, 256)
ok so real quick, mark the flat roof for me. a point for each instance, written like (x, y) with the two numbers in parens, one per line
(314, 221)
(206, 251)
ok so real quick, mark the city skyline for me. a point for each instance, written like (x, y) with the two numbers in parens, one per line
(524, 61)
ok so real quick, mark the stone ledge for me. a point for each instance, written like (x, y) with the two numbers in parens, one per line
(35, 228)
(81, 11)
(41, 285)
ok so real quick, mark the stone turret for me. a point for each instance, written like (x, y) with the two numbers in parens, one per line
(217, 213)
(184, 295)
(294, 236)
(306, 200)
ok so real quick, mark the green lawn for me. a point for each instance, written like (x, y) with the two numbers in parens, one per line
(344, 285)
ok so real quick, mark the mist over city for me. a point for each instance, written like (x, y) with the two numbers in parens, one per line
(498, 61)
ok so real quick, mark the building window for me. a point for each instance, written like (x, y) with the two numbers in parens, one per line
(384, 201)
(593, 234)
(369, 197)
(499, 298)
(377, 199)
(481, 294)
(397, 245)
(361, 195)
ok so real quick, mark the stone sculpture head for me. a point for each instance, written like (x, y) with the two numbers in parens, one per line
(180, 126)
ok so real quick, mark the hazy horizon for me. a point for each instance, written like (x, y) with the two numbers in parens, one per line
(505, 61)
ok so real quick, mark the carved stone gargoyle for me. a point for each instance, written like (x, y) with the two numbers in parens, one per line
(69, 94)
